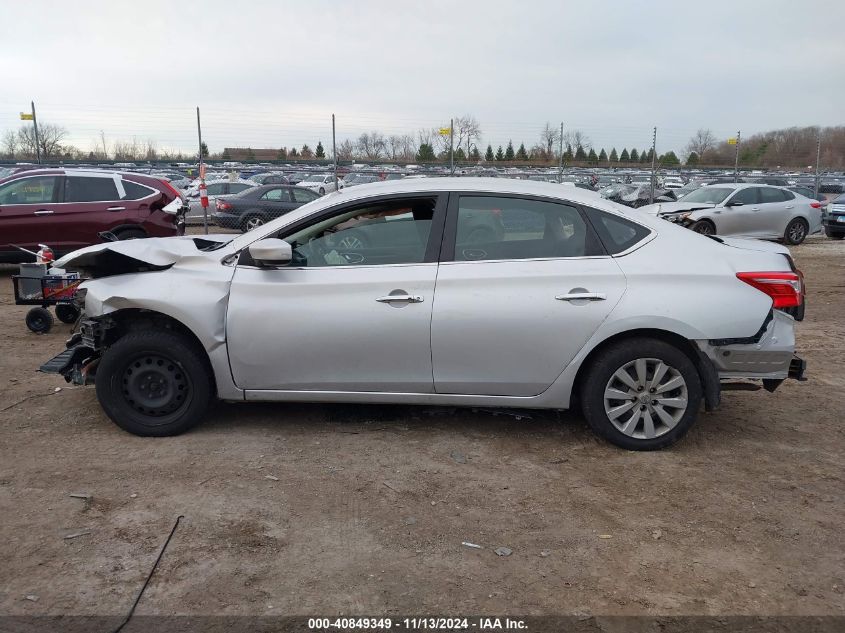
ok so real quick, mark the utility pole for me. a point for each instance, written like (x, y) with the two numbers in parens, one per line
(334, 153)
(736, 156)
(818, 158)
(451, 147)
(37, 139)
(560, 157)
(653, 160)
(202, 170)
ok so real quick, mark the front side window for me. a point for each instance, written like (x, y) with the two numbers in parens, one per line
(749, 195)
(708, 195)
(276, 195)
(495, 228)
(39, 190)
(393, 232)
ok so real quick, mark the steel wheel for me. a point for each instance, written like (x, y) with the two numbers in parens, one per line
(155, 386)
(645, 398)
(253, 222)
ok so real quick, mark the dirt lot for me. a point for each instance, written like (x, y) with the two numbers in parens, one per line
(311, 509)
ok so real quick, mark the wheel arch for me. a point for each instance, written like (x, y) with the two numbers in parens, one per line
(129, 226)
(706, 371)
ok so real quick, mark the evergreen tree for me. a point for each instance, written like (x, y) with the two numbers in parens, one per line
(509, 153)
(580, 154)
(500, 155)
(488, 155)
(321, 153)
(460, 154)
(568, 155)
(283, 154)
(602, 156)
(306, 152)
(521, 154)
(646, 158)
(475, 155)
(635, 155)
(624, 156)
(591, 157)
(425, 152)
(614, 157)
(670, 158)
(293, 153)
(204, 149)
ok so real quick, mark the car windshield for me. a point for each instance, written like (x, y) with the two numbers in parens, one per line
(708, 195)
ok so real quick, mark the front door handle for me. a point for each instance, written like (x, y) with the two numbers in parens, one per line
(116, 209)
(43, 212)
(582, 296)
(400, 299)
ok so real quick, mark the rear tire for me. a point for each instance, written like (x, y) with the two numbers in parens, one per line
(154, 384)
(67, 313)
(637, 412)
(796, 231)
(39, 320)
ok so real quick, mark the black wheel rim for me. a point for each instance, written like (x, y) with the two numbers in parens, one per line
(155, 387)
(38, 322)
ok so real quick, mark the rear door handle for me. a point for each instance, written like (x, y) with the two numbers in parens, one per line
(791, 206)
(400, 299)
(43, 212)
(116, 209)
(581, 296)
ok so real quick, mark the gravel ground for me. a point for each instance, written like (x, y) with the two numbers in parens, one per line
(313, 509)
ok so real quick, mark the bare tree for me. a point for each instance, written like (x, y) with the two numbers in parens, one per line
(394, 146)
(10, 143)
(428, 136)
(409, 147)
(549, 137)
(371, 146)
(467, 131)
(346, 150)
(702, 142)
(574, 138)
(50, 139)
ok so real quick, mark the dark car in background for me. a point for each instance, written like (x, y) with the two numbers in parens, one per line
(67, 209)
(257, 205)
(270, 178)
(833, 219)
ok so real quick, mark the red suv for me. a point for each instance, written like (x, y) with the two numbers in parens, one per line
(67, 209)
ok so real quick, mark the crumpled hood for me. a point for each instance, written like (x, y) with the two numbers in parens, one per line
(129, 256)
(675, 207)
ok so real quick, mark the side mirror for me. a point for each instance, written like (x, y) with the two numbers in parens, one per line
(735, 203)
(271, 252)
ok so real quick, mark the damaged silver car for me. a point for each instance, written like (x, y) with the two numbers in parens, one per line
(470, 291)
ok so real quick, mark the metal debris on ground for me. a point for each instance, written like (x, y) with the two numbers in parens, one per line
(80, 495)
(76, 534)
(503, 551)
(472, 545)
(458, 456)
(271, 478)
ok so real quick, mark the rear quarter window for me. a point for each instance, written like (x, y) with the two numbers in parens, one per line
(134, 191)
(616, 233)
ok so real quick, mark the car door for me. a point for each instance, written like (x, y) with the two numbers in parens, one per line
(775, 211)
(275, 202)
(27, 207)
(523, 284)
(340, 318)
(739, 215)
(94, 203)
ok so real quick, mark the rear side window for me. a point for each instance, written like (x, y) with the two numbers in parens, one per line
(276, 195)
(616, 233)
(90, 189)
(769, 194)
(134, 191)
(788, 195)
(303, 195)
(237, 187)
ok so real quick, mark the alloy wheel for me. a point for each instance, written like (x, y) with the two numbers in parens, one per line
(253, 222)
(797, 232)
(645, 398)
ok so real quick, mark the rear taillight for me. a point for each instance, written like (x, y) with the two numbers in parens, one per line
(222, 205)
(784, 288)
(816, 205)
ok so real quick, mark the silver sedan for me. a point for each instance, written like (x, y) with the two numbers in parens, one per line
(464, 291)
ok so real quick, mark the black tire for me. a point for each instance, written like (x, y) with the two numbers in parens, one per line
(704, 227)
(67, 312)
(131, 234)
(833, 234)
(39, 320)
(796, 231)
(605, 366)
(154, 384)
(252, 221)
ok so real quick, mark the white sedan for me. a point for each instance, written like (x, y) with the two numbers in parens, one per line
(320, 183)
(439, 291)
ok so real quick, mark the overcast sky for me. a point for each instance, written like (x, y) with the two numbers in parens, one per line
(268, 74)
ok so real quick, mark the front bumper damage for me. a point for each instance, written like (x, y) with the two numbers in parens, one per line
(768, 356)
(78, 362)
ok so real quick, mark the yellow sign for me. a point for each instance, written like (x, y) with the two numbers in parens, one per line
(26, 117)
(732, 140)
(445, 130)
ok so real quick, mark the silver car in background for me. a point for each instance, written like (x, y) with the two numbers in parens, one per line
(744, 210)
(439, 291)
